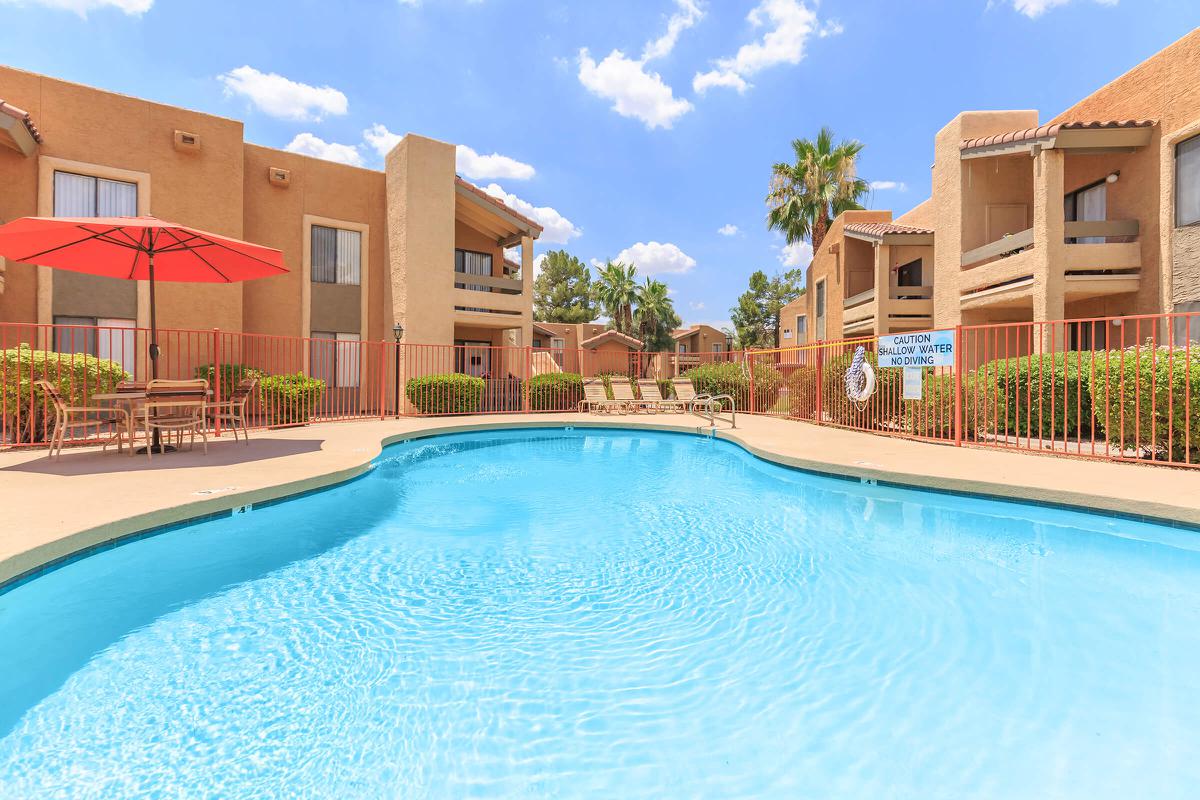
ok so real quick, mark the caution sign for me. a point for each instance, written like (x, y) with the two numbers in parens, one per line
(924, 349)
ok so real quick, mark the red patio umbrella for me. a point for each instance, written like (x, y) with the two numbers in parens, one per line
(137, 249)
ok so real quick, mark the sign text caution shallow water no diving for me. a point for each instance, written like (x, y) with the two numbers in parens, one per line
(924, 349)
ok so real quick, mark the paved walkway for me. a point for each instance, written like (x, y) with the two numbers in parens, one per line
(55, 508)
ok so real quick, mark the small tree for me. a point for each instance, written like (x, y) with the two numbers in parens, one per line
(756, 315)
(616, 290)
(562, 291)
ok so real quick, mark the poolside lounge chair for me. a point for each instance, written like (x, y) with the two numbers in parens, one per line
(175, 407)
(686, 393)
(595, 398)
(652, 394)
(233, 410)
(69, 417)
(622, 391)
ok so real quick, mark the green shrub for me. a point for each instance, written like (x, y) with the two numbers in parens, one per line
(290, 399)
(731, 378)
(554, 391)
(77, 377)
(884, 410)
(231, 375)
(451, 393)
(1126, 386)
(1041, 396)
(802, 392)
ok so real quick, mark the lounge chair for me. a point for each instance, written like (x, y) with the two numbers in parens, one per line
(595, 398)
(233, 411)
(652, 394)
(622, 391)
(686, 393)
(70, 417)
(175, 407)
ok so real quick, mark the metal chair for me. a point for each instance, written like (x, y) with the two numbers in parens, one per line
(65, 419)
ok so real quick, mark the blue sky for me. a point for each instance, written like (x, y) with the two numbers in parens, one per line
(637, 127)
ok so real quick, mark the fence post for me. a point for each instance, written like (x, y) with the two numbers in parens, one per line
(820, 410)
(216, 349)
(382, 379)
(958, 385)
(528, 375)
(750, 364)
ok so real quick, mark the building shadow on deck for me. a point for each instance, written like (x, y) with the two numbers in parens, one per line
(221, 453)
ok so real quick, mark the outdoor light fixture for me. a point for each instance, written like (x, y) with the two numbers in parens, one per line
(1113, 177)
(398, 332)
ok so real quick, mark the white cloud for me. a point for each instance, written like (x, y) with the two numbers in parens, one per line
(283, 98)
(728, 229)
(307, 144)
(652, 258)
(634, 92)
(796, 255)
(688, 15)
(473, 165)
(1035, 8)
(791, 22)
(883, 186)
(133, 8)
(696, 306)
(556, 229)
(380, 139)
(537, 264)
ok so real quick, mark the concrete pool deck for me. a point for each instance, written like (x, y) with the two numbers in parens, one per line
(53, 509)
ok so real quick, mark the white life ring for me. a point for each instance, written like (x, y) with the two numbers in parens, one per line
(860, 378)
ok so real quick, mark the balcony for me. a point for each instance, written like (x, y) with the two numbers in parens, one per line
(908, 307)
(490, 302)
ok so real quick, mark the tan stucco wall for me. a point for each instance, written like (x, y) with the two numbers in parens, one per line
(702, 339)
(828, 266)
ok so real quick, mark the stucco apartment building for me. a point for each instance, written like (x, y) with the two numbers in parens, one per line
(413, 244)
(1095, 212)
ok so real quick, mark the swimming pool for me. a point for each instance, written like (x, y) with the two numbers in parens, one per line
(604, 613)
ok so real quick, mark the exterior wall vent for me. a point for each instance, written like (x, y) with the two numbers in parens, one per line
(187, 142)
(280, 177)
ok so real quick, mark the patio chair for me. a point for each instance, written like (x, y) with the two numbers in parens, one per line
(686, 394)
(175, 407)
(233, 411)
(652, 394)
(71, 417)
(595, 398)
(622, 392)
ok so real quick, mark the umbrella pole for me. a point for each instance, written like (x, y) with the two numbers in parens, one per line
(156, 445)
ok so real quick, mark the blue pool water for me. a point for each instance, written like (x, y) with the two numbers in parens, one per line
(615, 615)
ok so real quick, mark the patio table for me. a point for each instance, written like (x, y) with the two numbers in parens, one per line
(131, 399)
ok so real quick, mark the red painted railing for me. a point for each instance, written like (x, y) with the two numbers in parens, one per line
(1113, 388)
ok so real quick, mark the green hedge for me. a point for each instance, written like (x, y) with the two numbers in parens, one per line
(802, 392)
(728, 377)
(1042, 396)
(451, 393)
(290, 399)
(77, 377)
(1126, 385)
(554, 391)
(231, 375)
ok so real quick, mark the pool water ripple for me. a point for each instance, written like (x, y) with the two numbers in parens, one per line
(610, 614)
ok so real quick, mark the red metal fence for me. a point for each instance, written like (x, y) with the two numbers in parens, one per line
(1115, 387)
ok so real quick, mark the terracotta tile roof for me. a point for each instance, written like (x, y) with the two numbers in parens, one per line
(1050, 131)
(881, 229)
(23, 115)
(611, 334)
(679, 333)
(473, 189)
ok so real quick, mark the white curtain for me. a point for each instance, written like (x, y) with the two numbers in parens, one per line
(116, 340)
(348, 362)
(116, 198)
(349, 257)
(85, 196)
(1092, 207)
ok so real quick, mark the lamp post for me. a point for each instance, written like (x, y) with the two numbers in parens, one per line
(728, 347)
(397, 334)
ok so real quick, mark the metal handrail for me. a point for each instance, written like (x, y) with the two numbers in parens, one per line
(712, 403)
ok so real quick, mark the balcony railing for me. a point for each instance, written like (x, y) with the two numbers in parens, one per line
(1117, 231)
(487, 283)
(1007, 245)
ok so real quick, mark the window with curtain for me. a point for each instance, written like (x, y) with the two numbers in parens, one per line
(85, 196)
(820, 309)
(334, 358)
(336, 255)
(1187, 182)
(107, 338)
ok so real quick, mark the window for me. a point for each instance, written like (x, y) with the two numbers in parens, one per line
(909, 274)
(718, 347)
(468, 262)
(473, 358)
(1187, 182)
(557, 346)
(111, 339)
(683, 348)
(1089, 204)
(334, 358)
(85, 196)
(801, 328)
(1088, 336)
(820, 306)
(336, 255)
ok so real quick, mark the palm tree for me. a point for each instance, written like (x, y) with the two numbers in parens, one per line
(655, 315)
(616, 290)
(807, 195)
